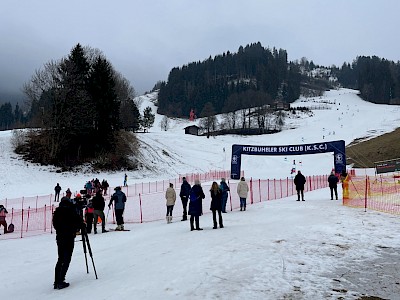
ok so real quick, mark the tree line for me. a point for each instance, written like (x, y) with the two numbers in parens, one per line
(11, 118)
(377, 79)
(223, 83)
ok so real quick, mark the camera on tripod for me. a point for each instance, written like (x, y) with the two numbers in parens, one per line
(82, 199)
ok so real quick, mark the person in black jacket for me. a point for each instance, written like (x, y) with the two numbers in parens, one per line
(333, 181)
(184, 194)
(57, 190)
(300, 181)
(216, 204)
(98, 204)
(66, 222)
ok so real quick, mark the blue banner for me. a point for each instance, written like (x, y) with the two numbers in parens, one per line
(337, 147)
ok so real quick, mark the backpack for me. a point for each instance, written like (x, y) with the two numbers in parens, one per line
(10, 228)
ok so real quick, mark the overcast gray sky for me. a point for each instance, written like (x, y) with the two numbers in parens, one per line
(144, 39)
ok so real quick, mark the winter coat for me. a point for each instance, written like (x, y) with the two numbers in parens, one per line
(57, 189)
(333, 181)
(119, 198)
(98, 202)
(196, 201)
(89, 208)
(299, 181)
(3, 212)
(216, 200)
(242, 189)
(170, 195)
(224, 187)
(185, 189)
(66, 221)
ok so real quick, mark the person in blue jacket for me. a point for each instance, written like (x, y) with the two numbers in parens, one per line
(225, 189)
(196, 204)
(119, 199)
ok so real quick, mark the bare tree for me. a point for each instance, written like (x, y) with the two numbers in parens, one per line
(165, 123)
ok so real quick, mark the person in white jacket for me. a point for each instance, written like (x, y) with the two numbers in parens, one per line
(170, 195)
(242, 190)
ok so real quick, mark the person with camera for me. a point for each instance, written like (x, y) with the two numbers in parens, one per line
(98, 206)
(66, 222)
(119, 199)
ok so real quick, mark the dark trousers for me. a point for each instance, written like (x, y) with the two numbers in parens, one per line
(119, 216)
(170, 208)
(184, 205)
(57, 196)
(65, 247)
(194, 219)
(4, 223)
(96, 215)
(214, 212)
(224, 200)
(89, 222)
(333, 189)
(300, 193)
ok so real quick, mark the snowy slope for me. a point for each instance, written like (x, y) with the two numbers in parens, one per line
(279, 249)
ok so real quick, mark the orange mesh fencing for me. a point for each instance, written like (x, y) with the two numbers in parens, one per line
(148, 207)
(381, 193)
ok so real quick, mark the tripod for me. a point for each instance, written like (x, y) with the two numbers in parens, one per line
(85, 241)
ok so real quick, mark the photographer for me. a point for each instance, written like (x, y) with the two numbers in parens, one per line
(66, 222)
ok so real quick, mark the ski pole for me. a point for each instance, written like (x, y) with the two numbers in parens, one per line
(108, 211)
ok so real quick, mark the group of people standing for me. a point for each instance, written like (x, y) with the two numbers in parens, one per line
(91, 187)
(194, 195)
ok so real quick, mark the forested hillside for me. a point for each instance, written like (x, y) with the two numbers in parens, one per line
(377, 79)
(253, 76)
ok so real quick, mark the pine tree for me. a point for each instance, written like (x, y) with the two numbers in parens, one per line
(148, 118)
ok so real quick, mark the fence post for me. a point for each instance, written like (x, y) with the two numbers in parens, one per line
(259, 187)
(230, 196)
(267, 189)
(280, 184)
(366, 192)
(287, 186)
(274, 189)
(251, 190)
(45, 208)
(52, 211)
(22, 220)
(27, 220)
(140, 203)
